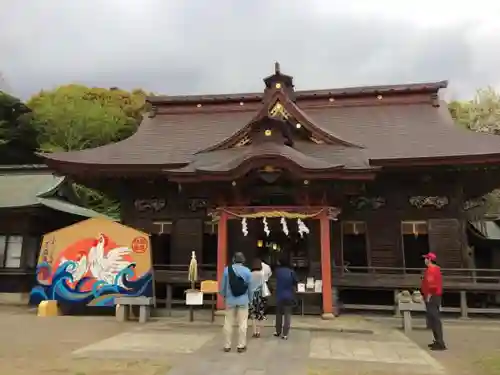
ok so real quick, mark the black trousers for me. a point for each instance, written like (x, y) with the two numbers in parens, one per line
(434, 318)
(283, 317)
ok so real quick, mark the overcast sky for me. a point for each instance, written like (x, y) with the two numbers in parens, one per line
(219, 46)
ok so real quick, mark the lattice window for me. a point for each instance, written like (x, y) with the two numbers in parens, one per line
(354, 227)
(414, 227)
(244, 141)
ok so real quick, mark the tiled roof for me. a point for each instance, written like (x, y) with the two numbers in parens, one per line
(410, 124)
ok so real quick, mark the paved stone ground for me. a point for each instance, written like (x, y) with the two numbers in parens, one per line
(321, 350)
(350, 345)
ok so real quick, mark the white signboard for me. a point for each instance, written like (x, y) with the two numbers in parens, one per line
(318, 286)
(301, 288)
(194, 298)
(310, 283)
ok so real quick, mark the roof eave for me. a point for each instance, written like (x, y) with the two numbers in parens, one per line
(438, 161)
(338, 173)
(72, 168)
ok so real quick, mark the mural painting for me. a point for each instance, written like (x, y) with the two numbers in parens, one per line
(93, 262)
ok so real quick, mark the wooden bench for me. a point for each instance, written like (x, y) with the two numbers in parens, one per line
(124, 307)
(406, 308)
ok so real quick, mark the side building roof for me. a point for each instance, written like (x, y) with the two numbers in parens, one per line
(24, 186)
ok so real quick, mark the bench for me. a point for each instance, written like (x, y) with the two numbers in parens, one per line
(124, 307)
(406, 307)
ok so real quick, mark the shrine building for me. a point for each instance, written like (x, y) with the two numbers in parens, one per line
(354, 184)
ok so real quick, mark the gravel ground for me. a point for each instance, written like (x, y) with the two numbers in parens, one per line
(32, 346)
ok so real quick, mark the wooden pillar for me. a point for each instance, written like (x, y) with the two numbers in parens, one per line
(326, 268)
(464, 309)
(221, 254)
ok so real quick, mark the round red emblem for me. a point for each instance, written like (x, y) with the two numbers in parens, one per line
(140, 245)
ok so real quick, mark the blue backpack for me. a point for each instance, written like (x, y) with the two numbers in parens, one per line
(237, 284)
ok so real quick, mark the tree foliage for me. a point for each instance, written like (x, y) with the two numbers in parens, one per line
(18, 138)
(481, 114)
(76, 117)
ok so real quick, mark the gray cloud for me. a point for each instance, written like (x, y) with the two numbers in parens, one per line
(181, 47)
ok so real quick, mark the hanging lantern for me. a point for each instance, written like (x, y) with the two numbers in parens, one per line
(260, 243)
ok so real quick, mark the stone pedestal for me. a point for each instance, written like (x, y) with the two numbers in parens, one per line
(327, 316)
(121, 313)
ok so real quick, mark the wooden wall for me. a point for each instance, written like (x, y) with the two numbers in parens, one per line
(31, 223)
(446, 225)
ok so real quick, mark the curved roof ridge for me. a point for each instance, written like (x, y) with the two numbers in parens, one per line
(227, 160)
(431, 86)
(295, 110)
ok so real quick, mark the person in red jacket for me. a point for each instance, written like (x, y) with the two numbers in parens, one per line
(432, 291)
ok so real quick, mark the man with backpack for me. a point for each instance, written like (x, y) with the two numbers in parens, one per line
(236, 291)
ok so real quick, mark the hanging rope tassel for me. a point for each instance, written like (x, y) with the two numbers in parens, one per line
(284, 226)
(302, 228)
(244, 227)
(266, 227)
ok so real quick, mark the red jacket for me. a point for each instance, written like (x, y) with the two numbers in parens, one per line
(432, 283)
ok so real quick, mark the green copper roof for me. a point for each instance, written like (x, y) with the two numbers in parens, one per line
(23, 186)
(487, 228)
(60, 205)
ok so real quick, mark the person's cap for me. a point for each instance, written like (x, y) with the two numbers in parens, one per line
(430, 256)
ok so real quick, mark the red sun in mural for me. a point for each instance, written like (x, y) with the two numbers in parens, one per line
(96, 258)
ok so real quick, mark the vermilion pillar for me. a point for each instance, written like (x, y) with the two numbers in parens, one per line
(221, 254)
(326, 268)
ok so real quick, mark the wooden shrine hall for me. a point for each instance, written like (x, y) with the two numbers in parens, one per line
(354, 185)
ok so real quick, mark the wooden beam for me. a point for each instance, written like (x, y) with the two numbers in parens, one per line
(326, 269)
(221, 254)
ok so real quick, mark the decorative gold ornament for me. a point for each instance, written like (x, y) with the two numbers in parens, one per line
(278, 85)
(379, 97)
(268, 133)
(331, 99)
(233, 183)
(298, 125)
(278, 110)
(198, 105)
(241, 103)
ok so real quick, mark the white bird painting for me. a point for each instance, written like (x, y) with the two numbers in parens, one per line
(106, 267)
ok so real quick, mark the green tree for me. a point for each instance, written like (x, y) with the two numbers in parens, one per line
(76, 117)
(18, 138)
(481, 114)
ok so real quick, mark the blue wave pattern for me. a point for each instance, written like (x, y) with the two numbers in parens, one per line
(102, 294)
